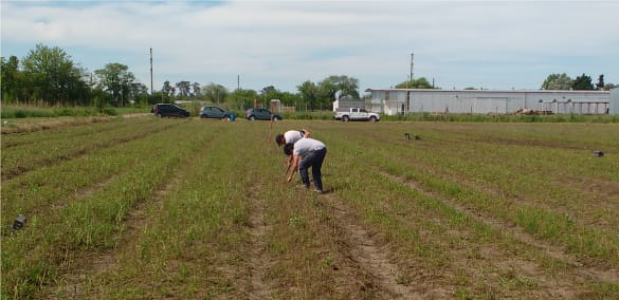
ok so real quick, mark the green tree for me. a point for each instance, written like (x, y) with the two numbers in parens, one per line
(184, 89)
(419, 83)
(331, 86)
(269, 93)
(242, 99)
(52, 76)
(167, 89)
(348, 86)
(116, 80)
(196, 89)
(610, 86)
(309, 93)
(600, 84)
(557, 82)
(290, 99)
(139, 92)
(582, 83)
(11, 79)
(158, 97)
(215, 93)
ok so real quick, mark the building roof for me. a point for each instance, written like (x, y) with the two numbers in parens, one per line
(488, 91)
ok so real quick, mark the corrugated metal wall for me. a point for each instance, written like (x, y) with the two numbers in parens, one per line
(488, 102)
(614, 102)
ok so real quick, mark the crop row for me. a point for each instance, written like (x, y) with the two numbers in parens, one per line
(18, 160)
(54, 236)
(14, 140)
(421, 167)
(551, 210)
(189, 235)
(56, 185)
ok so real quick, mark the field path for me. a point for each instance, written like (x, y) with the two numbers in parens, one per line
(368, 255)
(259, 259)
(548, 249)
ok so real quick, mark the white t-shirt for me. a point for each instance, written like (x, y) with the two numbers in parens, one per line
(305, 145)
(292, 136)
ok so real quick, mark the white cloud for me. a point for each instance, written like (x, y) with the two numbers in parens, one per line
(284, 43)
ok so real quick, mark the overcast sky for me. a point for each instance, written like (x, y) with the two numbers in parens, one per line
(494, 45)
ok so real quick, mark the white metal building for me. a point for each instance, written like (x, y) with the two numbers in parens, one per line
(395, 101)
(346, 103)
(614, 102)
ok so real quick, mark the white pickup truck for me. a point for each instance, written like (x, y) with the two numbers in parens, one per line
(357, 114)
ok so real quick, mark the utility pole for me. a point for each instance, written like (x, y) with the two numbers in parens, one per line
(412, 56)
(151, 71)
(238, 82)
(408, 93)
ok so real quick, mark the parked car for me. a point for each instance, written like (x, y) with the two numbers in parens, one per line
(214, 112)
(261, 114)
(169, 110)
(357, 114)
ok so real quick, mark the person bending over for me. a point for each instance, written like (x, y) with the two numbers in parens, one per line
(307, 153)
(290, 137)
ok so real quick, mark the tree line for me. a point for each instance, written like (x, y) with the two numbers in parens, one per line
(580, 83)
(48, 76)
(310, 95)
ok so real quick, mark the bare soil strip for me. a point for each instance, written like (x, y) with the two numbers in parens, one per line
(88, 264)
(259, 258)
(517, 232)
(50, 123)
(20, 170)
(368, 255)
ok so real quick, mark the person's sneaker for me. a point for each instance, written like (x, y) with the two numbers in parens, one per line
(317, 191)
(302, 186)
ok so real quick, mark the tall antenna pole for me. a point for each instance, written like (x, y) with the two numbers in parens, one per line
(412, 56)
(238, 82)
(151, 71)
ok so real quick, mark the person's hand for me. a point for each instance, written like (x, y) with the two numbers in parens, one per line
(289, 178)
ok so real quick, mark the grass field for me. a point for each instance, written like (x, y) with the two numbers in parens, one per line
(146, 208)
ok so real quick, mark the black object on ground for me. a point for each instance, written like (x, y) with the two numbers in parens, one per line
(408, 136)
(20, 221)
(598, 153)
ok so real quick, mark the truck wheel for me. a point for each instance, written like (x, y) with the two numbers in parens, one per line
(345, 119)
(373, 119)
(252, 118)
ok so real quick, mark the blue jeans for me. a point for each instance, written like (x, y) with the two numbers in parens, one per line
(314, 160)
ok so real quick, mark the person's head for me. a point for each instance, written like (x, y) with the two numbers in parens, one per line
(280, 140)
(288, 149)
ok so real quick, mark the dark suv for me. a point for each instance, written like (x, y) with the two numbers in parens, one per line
(261, 114)
(168, 110)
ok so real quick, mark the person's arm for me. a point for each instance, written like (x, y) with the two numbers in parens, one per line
(306, 134)
(289, 164)
(295, 165)
(290, 158)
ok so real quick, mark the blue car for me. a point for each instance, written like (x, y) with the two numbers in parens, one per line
(215, 112)
(261, 114)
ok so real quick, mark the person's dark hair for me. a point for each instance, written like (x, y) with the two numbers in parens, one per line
(288, 148)
(280, 140)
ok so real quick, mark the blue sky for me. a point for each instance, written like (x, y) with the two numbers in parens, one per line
(494, 45)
